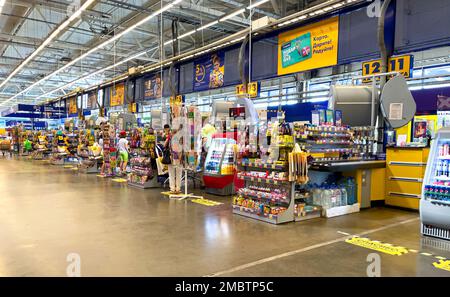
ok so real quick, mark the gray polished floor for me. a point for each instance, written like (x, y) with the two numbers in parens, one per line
(49, 212)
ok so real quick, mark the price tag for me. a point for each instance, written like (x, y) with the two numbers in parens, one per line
(273, 166)
(259, 180)
(275, 182)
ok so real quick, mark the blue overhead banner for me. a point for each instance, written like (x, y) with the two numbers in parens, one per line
(153, 86)
(209, 71)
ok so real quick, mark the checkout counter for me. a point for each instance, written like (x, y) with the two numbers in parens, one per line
(369, 177)
(405, 170)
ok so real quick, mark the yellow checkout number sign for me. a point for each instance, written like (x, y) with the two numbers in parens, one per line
(401, 64)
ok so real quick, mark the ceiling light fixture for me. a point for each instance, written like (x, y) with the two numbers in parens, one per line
(257, 4)
(49, 39)
(186, 34)
(114, 38)
(207, 25)
(231, 15)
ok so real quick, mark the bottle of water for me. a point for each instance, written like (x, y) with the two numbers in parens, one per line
(343, 196)
(351, 191)
(316, 194)
(325, 197)
(336, 196)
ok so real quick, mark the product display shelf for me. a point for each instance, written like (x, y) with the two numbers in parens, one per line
(272, 166)
(274, 211)
(268, 199)
(262, 180)
(142, 174)
(435, 198)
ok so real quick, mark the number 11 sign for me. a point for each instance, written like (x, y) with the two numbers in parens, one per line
(402, 64)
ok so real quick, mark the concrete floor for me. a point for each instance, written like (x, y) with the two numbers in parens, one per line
(48, 212)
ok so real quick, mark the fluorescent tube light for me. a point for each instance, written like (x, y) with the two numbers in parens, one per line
(207, 25)
(114, 38)
(47, 40)
(257, 4)
(233, 14)
(186, 34)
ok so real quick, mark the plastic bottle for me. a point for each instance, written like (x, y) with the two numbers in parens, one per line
(325, 197)
(445, 168)
(343, 197)
(335, 196)
(351, 191)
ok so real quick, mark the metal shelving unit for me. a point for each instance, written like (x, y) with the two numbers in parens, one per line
(283, 217)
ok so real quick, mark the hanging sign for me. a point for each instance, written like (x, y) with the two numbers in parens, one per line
(252, 90)
(209, 72)
(310, 47)
(92, 100)
(179, 99)
(117, 95)
(153, 86)
(72, 106)
(132, 107)
(402, 64)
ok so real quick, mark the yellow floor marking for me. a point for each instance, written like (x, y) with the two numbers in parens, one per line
(166, 193)
(67, 166)
(377, 246)
(119, 180)
(99, 175)
(206, 202)
(74, 168)
(413, 251)
(440, 258)
(426, 254)
(444, 265)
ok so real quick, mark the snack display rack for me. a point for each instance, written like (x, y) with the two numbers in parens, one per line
(219, 168)
(92, 162)
(268, 195)
(143, 173)
(109, 154)
(435, 199)
(324, 142)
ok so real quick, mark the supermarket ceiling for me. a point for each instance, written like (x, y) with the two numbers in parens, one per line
(46, 44)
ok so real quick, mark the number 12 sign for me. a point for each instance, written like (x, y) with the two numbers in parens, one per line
(402, 64)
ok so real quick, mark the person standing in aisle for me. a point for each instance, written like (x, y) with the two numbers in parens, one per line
(122, 147)
(175, 168)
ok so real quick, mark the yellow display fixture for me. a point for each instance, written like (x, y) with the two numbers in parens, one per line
(405, 169)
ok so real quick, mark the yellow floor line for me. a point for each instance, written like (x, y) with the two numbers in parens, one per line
(206, 202)
(119, 180)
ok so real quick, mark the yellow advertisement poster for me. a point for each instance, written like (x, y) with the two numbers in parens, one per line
(73, 105)
(310, 47)
(117, 95)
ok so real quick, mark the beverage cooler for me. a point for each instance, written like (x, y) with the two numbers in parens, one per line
(435, 200)
(219, 172)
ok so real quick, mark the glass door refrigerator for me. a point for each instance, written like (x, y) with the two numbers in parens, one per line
(219, 170)
(435, 200)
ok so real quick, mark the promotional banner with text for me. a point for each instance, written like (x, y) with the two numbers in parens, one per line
(310, 47)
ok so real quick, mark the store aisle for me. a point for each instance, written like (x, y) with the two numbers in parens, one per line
(48, 212)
